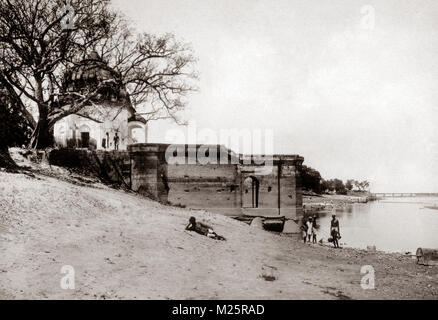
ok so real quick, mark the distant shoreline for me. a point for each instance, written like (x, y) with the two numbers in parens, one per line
(315, 202)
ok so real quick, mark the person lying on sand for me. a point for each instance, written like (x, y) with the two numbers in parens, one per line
(203, 229)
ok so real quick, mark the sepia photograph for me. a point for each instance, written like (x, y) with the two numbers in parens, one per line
(193, 151)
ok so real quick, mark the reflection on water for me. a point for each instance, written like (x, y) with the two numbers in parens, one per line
(392, 224)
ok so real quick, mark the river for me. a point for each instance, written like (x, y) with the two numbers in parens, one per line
(391, 224)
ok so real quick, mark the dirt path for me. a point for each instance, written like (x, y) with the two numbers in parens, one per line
(123, 246)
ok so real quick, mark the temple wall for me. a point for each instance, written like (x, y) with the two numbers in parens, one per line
(68, 132)
(227, 188)
(208, 186)
(219, 187)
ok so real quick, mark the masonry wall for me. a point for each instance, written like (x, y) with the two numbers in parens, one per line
(144, 170)
(268, 190)
(221, 188)
(215, 187)
(291, 197)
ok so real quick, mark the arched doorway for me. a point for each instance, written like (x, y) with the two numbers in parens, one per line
(137, 132)
(251, 187)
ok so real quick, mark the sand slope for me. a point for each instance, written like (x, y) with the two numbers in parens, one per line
(123, 246)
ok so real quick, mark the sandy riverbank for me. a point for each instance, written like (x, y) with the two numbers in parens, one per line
(123, 246)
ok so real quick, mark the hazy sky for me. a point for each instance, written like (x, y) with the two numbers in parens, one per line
(356, 100)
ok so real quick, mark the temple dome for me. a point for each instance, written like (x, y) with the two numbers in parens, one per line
(88, 74)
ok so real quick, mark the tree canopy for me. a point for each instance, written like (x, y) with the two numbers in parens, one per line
(41, 40)
(311, 180)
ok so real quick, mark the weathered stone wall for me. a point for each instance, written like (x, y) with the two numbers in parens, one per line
(291, 199)
(209, 186)
(144, 169)
(268, 190)
(218, 187)
(277, 194)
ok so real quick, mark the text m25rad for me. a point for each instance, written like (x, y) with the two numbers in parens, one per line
(240, 309)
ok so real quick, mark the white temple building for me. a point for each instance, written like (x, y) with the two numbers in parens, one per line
(109, 122)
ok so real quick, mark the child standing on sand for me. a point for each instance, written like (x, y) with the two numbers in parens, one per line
(309, 225)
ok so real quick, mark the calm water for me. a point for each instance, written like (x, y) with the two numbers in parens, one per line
(392, 224)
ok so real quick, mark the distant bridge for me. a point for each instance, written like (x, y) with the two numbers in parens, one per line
(404, 194)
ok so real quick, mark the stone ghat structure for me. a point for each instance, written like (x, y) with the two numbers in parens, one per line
(219, 181)
(209, 177)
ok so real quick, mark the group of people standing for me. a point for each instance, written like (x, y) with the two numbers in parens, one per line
(310, 230)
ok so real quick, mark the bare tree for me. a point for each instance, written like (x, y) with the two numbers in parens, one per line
(156, 70)
(362, 185)
(42, 40)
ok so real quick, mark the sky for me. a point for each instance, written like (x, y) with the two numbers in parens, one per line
(349, 85)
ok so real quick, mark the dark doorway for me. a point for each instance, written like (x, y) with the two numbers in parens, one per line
(251, 192)
(85, 139)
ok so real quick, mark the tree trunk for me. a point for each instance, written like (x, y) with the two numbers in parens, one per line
(42, 136)
(6, 161)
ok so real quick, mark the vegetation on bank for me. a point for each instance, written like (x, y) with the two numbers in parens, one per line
(312, 181)
(14, 129)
